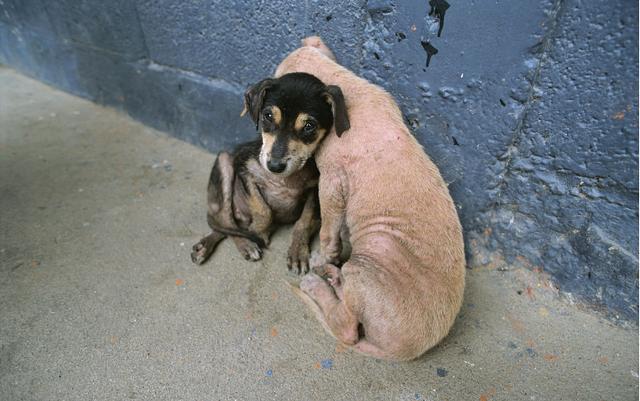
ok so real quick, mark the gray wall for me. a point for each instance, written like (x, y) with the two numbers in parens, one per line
(529, 108)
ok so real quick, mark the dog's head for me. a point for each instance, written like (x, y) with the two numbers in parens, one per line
(294, 113)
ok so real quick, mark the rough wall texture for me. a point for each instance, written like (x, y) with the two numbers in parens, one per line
(530, 109)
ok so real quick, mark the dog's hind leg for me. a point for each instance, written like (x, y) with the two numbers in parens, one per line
(261, 219)
(226, 183)
(219, 207)
(220, 192)
(335, 313)
(205, 247)
(336, 317)
(261, 214)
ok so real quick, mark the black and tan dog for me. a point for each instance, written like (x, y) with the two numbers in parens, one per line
(273, 180)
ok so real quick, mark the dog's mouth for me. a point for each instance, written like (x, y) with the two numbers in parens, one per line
(284, 167)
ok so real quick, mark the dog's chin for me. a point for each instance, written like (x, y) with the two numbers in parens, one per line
(293, 166)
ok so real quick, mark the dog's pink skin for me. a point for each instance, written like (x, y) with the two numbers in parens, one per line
(404, 281)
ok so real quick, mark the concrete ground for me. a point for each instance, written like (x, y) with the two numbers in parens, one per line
(100, 301)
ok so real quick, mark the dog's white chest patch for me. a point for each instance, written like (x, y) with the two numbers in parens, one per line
(281, 193)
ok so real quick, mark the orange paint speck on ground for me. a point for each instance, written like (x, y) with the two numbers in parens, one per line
(516, 324)
(179, 281)
(550, 357)
(316, 365)
(530, 293)
(274, 332)
(488, 394)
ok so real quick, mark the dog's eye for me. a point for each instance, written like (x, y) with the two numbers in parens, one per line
(309, 126)
(268, 116)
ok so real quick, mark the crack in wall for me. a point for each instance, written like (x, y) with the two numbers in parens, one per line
(142, 33)
(541, 47)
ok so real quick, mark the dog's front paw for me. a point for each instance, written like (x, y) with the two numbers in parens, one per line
(298, 257)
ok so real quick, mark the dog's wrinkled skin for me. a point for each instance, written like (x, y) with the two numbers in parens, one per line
(271, 180)
(401, 288)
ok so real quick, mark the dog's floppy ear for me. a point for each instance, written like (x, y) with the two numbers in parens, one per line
(254, 98)
(338, 108)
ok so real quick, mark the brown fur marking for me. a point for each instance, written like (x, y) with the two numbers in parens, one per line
(277, 115)
(301, 120)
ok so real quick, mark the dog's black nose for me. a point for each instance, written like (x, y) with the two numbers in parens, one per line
(276, 165)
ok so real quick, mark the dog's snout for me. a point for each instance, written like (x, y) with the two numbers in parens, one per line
(276, 165)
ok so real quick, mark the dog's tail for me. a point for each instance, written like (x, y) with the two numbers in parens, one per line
(315, 41)
(238, 232)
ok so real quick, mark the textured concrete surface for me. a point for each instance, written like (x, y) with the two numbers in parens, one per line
(530, 109)
(100, 300)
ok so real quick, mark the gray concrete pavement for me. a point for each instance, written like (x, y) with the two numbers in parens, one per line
(99, 299)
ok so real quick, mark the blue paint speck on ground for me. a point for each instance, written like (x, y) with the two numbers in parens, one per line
(417, 396)
(512, 345)
(442, 372)
(531, 352)
(269, 373)
(327, 363)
